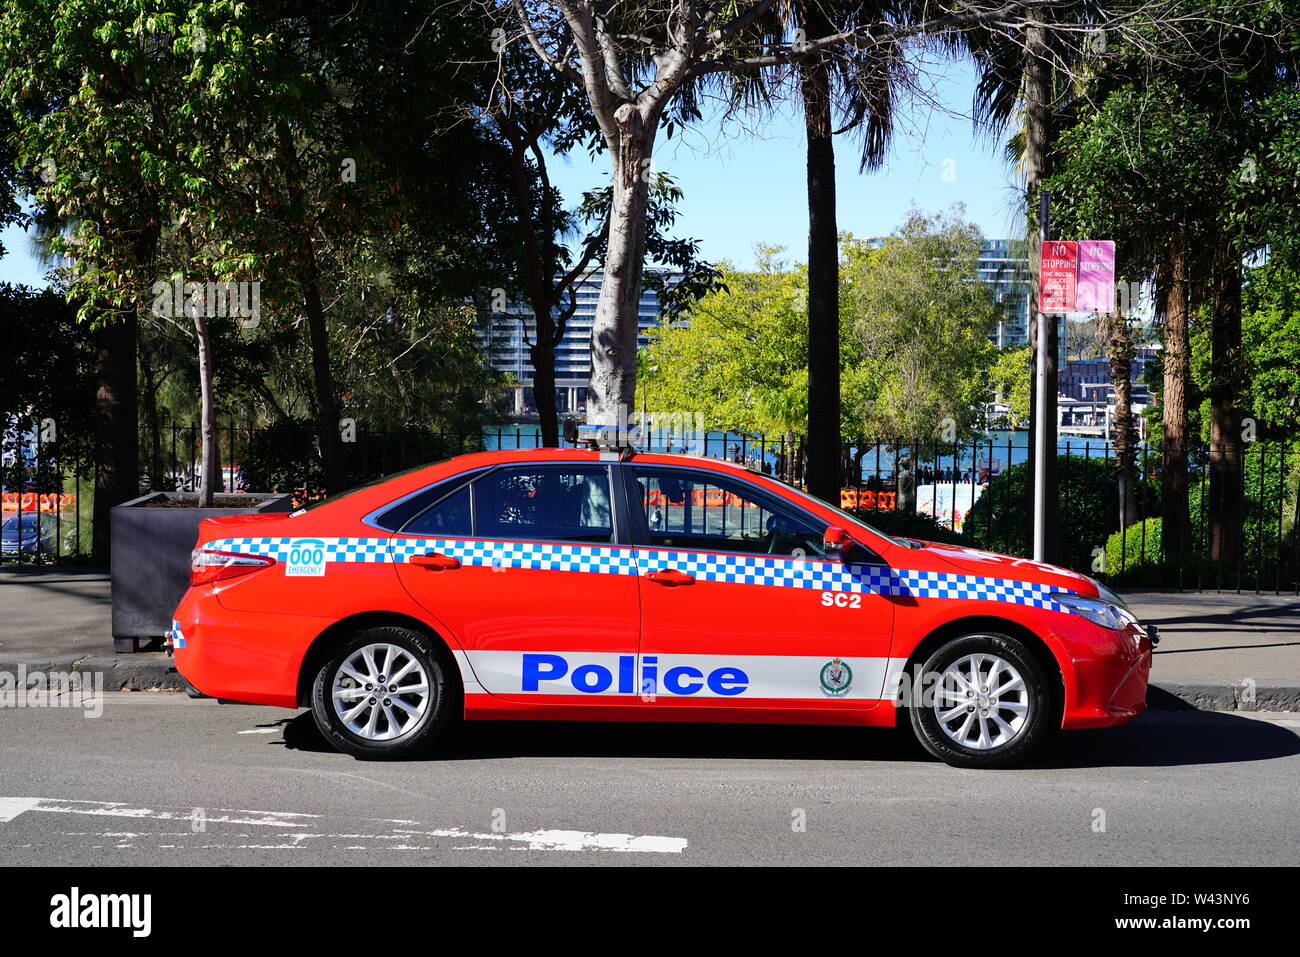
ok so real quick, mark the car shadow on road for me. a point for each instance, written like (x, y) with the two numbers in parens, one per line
(1155, 739)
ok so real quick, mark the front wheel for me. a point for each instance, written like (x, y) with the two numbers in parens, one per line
(385, 693)
(989, 703)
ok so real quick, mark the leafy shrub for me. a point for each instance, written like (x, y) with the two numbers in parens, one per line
(1137, 545)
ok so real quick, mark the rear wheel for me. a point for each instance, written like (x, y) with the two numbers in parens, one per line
(988, 702)
(385, 693)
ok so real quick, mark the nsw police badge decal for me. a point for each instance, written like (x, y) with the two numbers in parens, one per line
(836, 676)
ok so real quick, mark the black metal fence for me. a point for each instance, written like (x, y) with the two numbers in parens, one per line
(975, 493)
(46, 501)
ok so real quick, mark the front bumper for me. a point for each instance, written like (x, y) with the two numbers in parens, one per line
(1110, 674)
(243, 656)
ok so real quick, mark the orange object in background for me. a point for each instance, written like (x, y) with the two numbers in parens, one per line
(37, 501)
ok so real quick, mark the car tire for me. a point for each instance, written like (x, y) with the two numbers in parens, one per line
(971, 723)
(361, 713)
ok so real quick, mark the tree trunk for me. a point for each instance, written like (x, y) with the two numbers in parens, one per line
(1226, 375)
(1175, 533)
(543, 358)
(1038, 99)
(207, 427)
(117, 439)
(614, 329)
(539, 280)
(327, 403)
(823, 440)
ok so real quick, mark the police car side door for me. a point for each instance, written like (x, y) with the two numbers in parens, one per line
(529, 567)
(741, 613)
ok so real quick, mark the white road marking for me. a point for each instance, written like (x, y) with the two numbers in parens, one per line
(260, 731)
(10, 808)
(405, 832)
(557, 840)
(115, 809)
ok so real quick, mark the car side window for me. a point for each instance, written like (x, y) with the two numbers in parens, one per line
(685, 509)
(545, 503)
(450, 518)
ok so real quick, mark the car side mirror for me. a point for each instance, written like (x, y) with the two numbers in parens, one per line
(837, 543)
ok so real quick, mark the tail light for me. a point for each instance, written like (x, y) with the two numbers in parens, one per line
(208, 566)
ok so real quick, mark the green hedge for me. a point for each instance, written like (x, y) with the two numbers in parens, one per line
(1137, 545)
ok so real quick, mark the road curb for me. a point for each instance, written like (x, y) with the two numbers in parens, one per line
(1217, 694)
(143, 671)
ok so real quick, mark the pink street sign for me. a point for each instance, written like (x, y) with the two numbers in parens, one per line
(1058, 272)
(1096, 286)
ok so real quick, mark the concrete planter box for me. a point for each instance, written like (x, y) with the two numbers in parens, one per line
(150, 564)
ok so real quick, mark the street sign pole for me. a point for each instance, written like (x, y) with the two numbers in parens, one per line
(1041, 400)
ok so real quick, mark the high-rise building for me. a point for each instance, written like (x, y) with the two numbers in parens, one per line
(1004, 269)
(507, 336)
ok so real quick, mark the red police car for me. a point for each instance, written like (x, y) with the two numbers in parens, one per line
(581, 584)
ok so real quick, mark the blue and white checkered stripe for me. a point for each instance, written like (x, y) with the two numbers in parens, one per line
(705, 566)
(336, 549)
(832, 576)
(764, 570)
(543, 556)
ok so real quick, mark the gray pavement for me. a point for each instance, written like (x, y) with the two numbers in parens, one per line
(162, 779)
(1218, 651)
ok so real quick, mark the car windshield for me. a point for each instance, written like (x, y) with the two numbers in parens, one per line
(848, 516)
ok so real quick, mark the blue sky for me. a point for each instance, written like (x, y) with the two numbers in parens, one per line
(743, 187)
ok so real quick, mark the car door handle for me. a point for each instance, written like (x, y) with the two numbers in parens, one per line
(435, 561)
(670, 576)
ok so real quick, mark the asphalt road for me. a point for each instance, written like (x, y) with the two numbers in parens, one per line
(161, 779)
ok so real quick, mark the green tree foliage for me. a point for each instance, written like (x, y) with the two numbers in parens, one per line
(914, 348)
(1012, 378)
(48, 383)
(739, 358)
(309, 148)
(920, 319)
(1271, 340)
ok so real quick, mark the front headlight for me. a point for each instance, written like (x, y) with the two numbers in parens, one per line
(1097, 610)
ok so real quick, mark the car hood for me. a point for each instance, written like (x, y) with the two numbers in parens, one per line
(974, 561)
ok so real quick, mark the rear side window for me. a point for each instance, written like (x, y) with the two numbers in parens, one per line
(450, 518)
(545, 503)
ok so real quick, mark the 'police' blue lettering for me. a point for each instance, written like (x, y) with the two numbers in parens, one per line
(673, 682)
(533, 673)
(728, 681)
(592, 679)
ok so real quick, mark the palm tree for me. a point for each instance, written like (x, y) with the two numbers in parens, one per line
(1019, 80)
(859, 89)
